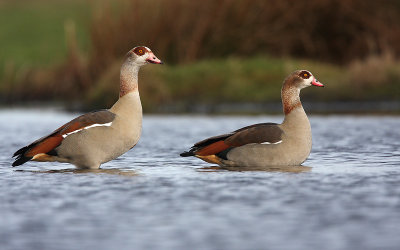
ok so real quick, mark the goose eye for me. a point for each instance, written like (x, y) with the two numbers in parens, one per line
(139, 51)
(304, 75)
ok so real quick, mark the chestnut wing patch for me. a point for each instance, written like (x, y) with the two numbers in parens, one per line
(263, 133)
(47, 144)
(209, 146)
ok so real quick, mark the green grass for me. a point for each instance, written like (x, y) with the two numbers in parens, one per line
(208, 82)
(32, 33)
(256, 80)
(33, 45)
(248, 80)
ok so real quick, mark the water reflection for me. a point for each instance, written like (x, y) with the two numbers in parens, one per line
(283, 169)
(101, 209)
(112, 171)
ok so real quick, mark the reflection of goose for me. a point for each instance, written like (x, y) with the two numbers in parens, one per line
(266, 144)
(94, 138)
(111, 171)
(283, 169)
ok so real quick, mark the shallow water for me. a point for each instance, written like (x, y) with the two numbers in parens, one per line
(347, 196)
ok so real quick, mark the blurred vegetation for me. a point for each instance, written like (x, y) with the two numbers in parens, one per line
(32, 33)
(222, 51)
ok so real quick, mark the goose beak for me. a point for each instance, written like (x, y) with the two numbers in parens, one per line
(315, 82)
(153, 59)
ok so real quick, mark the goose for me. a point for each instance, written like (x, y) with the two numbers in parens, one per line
(265, 144)
(100, 136)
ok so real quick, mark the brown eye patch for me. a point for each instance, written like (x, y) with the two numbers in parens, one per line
(305, 74)
(140, 51)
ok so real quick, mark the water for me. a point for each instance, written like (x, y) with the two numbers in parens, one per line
(150, 198)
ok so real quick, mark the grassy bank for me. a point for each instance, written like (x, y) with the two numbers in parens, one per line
(255, 80)
(71, 51)
(33, 32)
(259, 80)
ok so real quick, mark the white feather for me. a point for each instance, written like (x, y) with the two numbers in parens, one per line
(91, 126)
(272, 143)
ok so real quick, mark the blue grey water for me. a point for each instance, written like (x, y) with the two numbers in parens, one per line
(346, 197)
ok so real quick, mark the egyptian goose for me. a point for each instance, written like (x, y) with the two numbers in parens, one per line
(100, 136)
(266, 144)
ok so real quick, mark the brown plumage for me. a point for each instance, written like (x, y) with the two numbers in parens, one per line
(47, 145)
(257, 133)
(262, 144)
(101, 136)
(212, 149)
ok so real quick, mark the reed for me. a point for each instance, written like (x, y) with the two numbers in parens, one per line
(337, 31)
(224, 51)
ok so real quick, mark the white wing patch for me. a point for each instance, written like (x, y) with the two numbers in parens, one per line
(272, 143)
(91, 126)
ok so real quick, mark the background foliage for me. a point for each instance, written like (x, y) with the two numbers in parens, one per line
(221, 51)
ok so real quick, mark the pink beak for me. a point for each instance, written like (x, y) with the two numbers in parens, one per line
(153, 59)
(315, 82)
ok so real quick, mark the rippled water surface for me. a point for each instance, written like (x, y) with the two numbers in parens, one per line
(348, 196)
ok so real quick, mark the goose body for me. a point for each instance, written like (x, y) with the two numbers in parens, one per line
(266, 144)
(97, 137)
